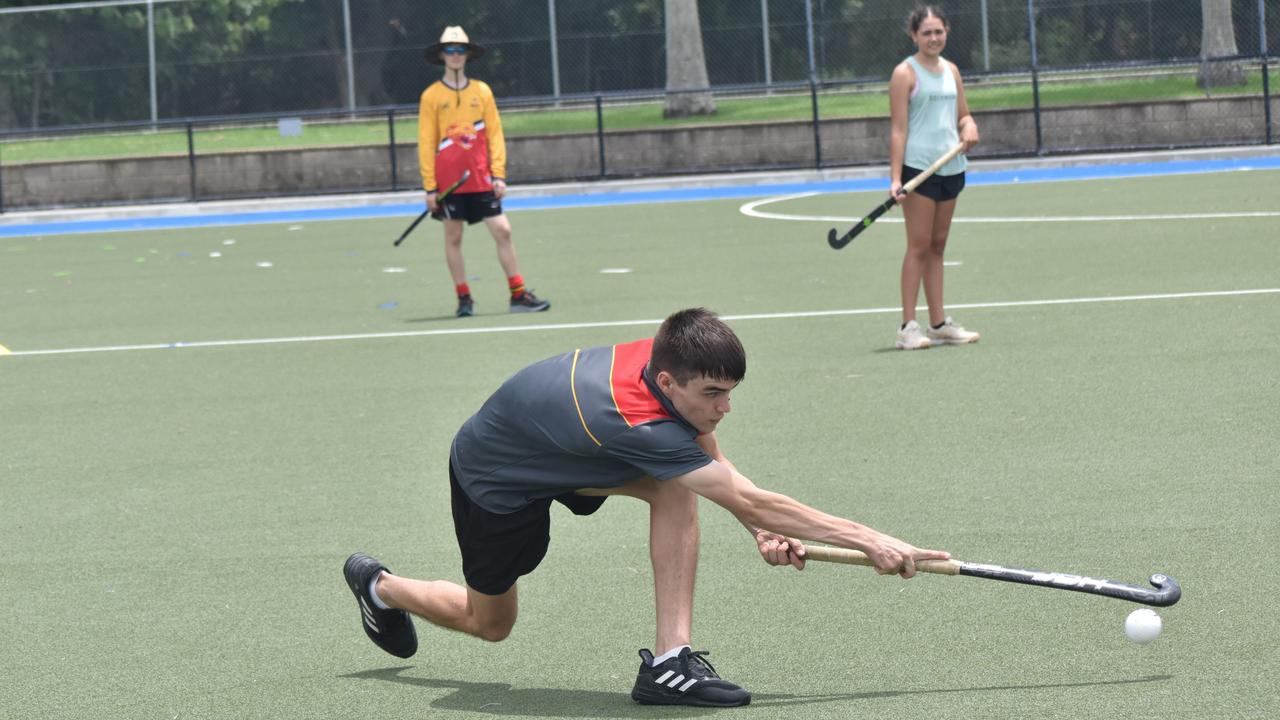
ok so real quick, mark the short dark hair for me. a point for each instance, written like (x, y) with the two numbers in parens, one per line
(696, 342)
(921, 12)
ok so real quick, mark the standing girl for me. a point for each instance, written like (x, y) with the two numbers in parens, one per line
(928, 115)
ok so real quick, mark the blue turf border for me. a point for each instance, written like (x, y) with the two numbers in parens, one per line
(999, 177)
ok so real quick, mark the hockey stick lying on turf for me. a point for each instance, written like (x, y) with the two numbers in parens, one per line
(456, 184)
(841, 241)
(1167, 591)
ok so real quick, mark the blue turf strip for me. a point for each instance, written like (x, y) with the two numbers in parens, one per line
(1001, 177)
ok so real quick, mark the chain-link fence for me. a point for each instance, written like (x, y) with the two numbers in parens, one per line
(131, 60)
(582, 84)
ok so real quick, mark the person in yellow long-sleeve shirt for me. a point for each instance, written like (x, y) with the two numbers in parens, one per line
(459, 130)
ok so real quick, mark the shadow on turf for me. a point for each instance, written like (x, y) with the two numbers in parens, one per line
(450, 316)
(891, 350)
(503, 699)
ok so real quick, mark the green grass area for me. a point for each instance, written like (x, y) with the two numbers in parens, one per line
(832, 104)
(176, 519)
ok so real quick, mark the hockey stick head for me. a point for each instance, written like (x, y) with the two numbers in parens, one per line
(839, 242)
(1167, 591)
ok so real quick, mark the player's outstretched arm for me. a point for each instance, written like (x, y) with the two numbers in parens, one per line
(774, 548)
(787, 517)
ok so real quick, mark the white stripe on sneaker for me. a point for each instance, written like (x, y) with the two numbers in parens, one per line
(368, 616)
(675, 682)
(687, 685)
(664, 677)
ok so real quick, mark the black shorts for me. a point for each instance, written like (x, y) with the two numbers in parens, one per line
(472, 207)
(938, 188)
(498, 549)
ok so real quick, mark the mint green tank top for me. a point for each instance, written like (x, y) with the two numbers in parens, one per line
(931, 120)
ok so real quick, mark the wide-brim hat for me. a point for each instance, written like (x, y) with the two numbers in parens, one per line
(453, 35)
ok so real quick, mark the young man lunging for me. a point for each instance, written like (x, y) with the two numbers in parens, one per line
(637, 419)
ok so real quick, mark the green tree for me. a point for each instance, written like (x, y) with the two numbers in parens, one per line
(56, 61)
(213, 57)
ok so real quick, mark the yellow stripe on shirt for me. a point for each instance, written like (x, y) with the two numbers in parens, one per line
(573, 387)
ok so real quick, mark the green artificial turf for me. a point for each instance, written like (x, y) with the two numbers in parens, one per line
(175, 520)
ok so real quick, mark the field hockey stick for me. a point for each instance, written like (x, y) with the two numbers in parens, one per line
(842, 240)
(423, 216)
(1167, 591)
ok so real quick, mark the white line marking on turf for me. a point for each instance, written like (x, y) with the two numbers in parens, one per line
(750, 210)
(626, 323)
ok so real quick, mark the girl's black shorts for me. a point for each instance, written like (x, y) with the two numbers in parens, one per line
(938, 188)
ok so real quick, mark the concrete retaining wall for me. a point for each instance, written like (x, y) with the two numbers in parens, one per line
(706, 148)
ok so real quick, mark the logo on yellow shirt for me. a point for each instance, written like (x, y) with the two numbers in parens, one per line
(463, 134)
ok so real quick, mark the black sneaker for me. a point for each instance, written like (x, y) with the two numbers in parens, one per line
(686, 679)
(466, 308)
(528, 302)
(391, 630)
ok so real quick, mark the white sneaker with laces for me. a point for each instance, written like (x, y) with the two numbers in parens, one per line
(910, 337)
(952, 334)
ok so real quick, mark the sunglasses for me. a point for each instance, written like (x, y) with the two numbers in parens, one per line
(454, 50)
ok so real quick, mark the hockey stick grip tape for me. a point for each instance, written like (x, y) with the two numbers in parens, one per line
(853, 557)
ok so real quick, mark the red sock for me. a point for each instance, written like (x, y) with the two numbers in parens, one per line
(516, 283)
(462, 289)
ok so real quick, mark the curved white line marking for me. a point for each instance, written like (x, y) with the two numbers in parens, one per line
(750, 210)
